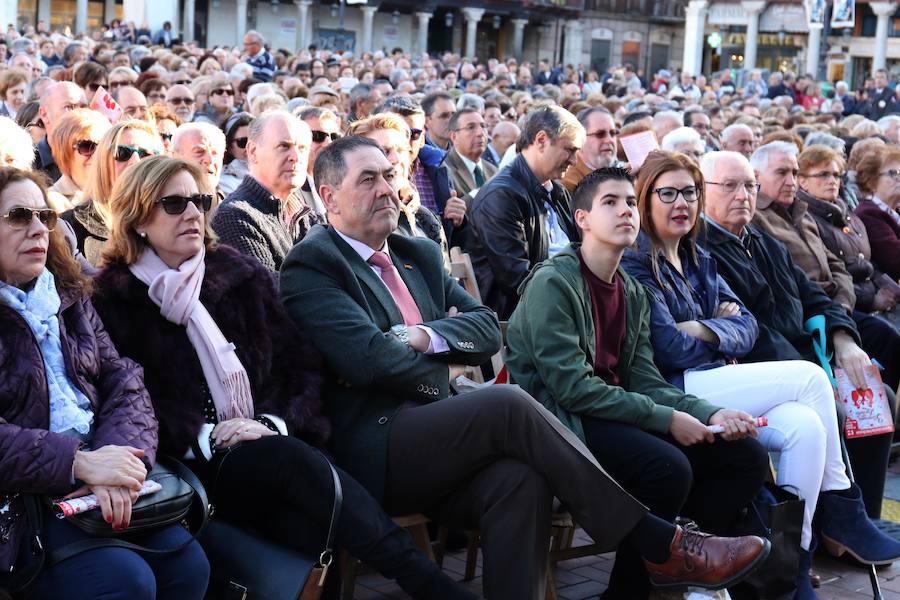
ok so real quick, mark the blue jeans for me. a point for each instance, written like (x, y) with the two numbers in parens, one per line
(116, 573)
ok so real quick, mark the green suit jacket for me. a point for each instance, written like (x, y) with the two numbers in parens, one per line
(347, 311)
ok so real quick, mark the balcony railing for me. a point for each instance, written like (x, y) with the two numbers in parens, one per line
(654, 9)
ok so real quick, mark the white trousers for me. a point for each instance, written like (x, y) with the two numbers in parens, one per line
(797, 399)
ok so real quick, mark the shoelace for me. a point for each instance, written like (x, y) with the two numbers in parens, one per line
(692, 541)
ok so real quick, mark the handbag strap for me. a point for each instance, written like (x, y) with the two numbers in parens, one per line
(75, 548)
(328, 553)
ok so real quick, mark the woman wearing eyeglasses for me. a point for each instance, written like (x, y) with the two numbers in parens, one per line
(74, 142)
(878, 178)
(699, 330)
(235, 385)
(75, 418)
(121, 146)
(237, 132)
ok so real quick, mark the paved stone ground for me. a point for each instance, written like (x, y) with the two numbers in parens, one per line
(585, 578)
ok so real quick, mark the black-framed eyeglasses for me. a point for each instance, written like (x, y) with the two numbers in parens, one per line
(414, 134)
(176, 205)
(20, 217)
(601, 134)
(731, 187)
(668, 195)
(96, 85)
(320, 136)
(892, 173)
(166, 137)
(124, 153)
(85, 148)
(221, 91)
(241, 142)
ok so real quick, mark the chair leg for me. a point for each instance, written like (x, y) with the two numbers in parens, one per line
(421, 540)
(551, 585)
(348, 575)
(440, 547)
(472, 555)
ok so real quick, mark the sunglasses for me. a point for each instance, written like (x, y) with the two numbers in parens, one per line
(176, 205)
(166, 137)
(320, 136)
(20, 217)
(182, 82)
(178, 101)
(414, 134)
(124, 153)
(241, 142)
(95, 86)
(86, 147)
(221, 91)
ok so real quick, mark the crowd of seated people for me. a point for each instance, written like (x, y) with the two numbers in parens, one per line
(253, 262)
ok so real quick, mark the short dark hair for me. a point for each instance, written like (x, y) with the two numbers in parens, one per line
(688, 115)
(431, 99)
(401, 104)
(583, 196)
(330, 166)
(454, 120)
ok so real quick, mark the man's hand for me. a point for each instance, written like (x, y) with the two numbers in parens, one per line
(851, 358)
(455, 209)
(728, 309)
(737, 424)
(418, 339)
(230, 432)
(688, 431)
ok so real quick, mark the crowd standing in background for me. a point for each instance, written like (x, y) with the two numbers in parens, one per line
(246, 252)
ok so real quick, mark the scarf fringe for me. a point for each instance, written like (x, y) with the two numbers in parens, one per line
(240, 396)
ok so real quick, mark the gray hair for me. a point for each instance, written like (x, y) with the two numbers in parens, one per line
(256, 37)
(552, 119)
(709, 163)
(16, 143)
(360, 91)
(885, 122)
(820, 138)
(69, 51)
(396, 75)
(208, 130)
(726, 134)
(760, 159)
(683, 135)
(662, 115)
(259, 89)
(470, 101)
(258, 124)
(585, 115)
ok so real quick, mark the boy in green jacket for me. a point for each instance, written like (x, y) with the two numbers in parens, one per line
(579, 342)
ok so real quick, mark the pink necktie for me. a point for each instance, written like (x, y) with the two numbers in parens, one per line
(402, 298)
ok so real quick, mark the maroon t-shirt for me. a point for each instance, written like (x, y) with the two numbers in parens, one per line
(608, 310)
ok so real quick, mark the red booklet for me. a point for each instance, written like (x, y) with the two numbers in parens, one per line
(867, 409)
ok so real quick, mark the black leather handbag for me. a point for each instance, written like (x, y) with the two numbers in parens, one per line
(164, 507)
(245, 566)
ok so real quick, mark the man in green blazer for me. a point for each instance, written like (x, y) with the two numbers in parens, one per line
(393, 329)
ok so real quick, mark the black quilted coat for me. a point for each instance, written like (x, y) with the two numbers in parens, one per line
(32, 459)
(240, 295)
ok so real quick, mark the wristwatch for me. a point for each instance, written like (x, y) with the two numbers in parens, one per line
(401, 332)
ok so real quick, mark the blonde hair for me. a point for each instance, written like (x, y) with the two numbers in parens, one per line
(103, 171)
(129, 74)
(265, 103)
(866, 129)
(71, 128)
(379, 121)
(134, 200)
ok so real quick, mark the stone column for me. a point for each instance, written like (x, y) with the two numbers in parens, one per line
(109, 11)
(472, 15)
(240, 26)
(44, 10)
(81, 16)
(518, 37)
(302, 23)
(695, 19)
(368, 25)
(813, 48)
(573, 44)
(424, 18)
(753, 8)
(884, 11)
(187, 28)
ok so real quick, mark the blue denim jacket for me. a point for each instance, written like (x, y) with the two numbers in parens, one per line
(694, 296)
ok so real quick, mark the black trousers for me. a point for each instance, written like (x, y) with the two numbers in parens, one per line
(493, 460)
(882, 342)
(282, 488)
(709, 483)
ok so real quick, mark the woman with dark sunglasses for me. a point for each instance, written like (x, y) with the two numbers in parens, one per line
(700, 330)
(220, 103)
(124, 144)
(74, 142)
(235, 385)
(75, 418)
(237, 130)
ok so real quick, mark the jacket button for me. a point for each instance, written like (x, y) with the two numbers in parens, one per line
(382, 420)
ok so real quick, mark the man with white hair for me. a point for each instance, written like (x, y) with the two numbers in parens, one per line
(264, 217)
(686, 88)
(664, 122)
(687, 141)
(890, 125)
(842, 93)
(738, 138)
(204, 144)
(256, 55)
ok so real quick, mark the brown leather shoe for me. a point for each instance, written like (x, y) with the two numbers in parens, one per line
(699, 559)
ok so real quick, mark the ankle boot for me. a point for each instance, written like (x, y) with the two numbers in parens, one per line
(845, 527)
(804, 583)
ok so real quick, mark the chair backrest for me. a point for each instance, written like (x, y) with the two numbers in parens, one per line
(461, 268)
